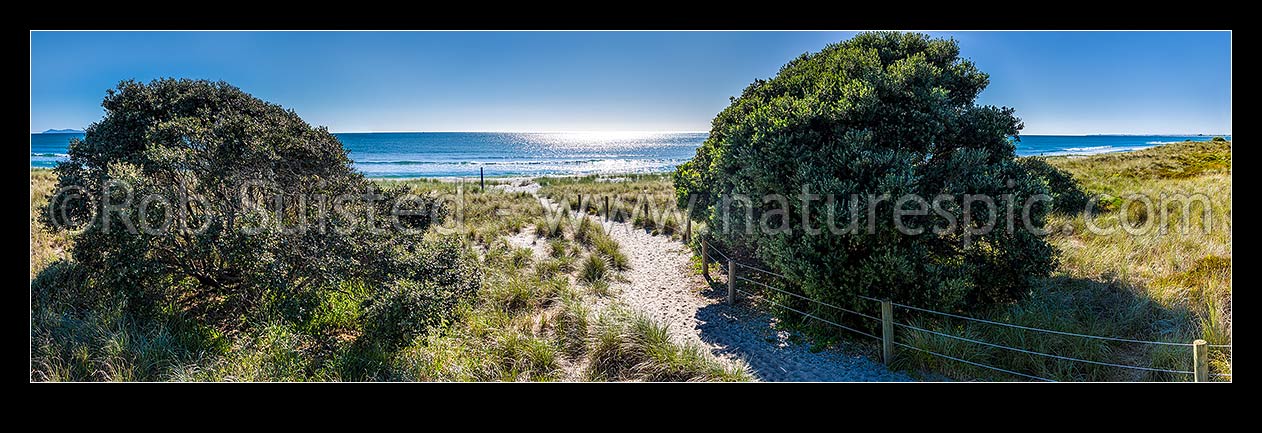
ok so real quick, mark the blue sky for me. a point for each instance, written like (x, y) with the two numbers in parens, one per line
(1059, 82)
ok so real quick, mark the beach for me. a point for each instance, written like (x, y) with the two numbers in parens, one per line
(515, 156)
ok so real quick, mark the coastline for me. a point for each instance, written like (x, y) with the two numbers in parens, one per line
(517, 178)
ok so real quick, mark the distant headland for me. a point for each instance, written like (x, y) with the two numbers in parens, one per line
(63, 131)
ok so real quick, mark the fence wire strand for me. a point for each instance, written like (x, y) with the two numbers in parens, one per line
(808, 314)
(868, 298)
(1031, 352)
(808, 299)
(1217, 346)
(716, 250)
(761, 270)
(1125, 340)
(973, 363)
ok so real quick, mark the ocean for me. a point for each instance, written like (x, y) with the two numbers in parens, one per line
(455, 154)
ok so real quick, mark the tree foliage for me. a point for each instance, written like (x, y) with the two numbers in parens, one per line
(1068, 198)
(882, 113)
(195, 195)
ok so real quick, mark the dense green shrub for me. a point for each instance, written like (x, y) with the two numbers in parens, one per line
(882, 113)
(196, 195)
(65, 284)
(402, 313)
(441, 275)
(1217, 138)
(1068, 198)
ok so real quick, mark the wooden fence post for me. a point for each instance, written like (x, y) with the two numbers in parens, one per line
(705, 261)
(688, 230)
(731, 282)
(482, 177)
(581, 210)
(607, 216)
(887, 331)
(1200, 360)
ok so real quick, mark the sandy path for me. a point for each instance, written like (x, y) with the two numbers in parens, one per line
(661, 284)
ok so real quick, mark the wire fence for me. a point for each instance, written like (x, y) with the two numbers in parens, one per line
(1046, 355)
(1049, 331)
(888, 322)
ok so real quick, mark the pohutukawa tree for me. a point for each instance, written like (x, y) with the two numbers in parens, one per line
(882, 114)
(196, 195)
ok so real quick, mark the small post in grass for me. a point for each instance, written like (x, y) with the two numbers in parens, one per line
(887, 331)
(482, 177)
(1200, 360)
(705, 261)
(580, 204)
(731, 282)
(688, 229)
(607, 217)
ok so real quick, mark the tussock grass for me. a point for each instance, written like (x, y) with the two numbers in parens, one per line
(629, 346)
(586, 232)
(481, 216)
(627, 196)
(522, 257)
(547, 268)
(560, 248)
(484, 345)
(595, 269)
(609, 249)
(572, 325)
(601, 288)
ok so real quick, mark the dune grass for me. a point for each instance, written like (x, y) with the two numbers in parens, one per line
(480, 216)
(46, 246)
(630, 346)
(627, 197)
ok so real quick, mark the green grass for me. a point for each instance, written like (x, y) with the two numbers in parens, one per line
(46, 247)
(484, 345)
(609, 249)
(572, 325)
(483, 215)
(595, 269)
(627, 196)
(629, 346)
